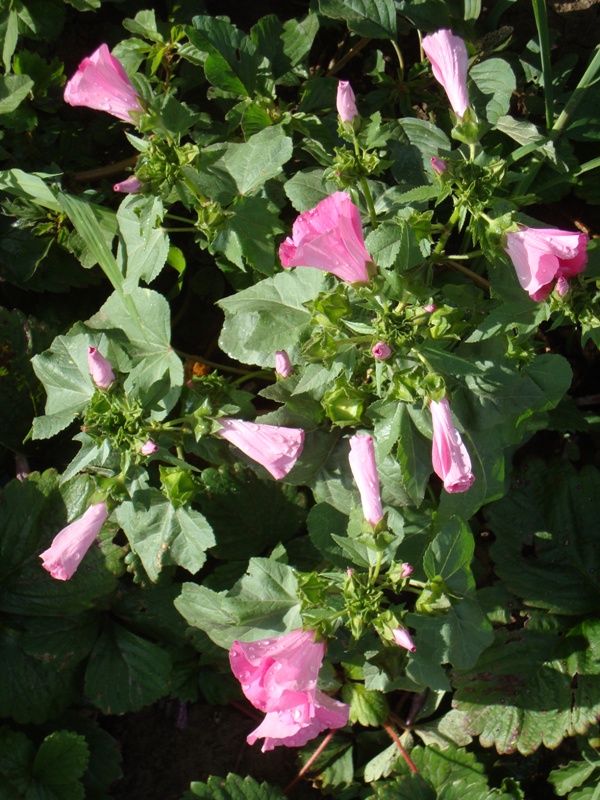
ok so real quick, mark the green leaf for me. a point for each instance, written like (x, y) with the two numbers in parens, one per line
(449, 557)
(254, 162)
(126, 672)
(247, 514)
(324, 521)
(29, 186)
(162, 534)
(495, 80)
(306, 188)
(366, 707)
(373, 18)
(270, 316)
(263, 603)
(248, 236)
(394, 244)
(61, 759)
(413, 454)
(233, 787)
(13, 90)
(145, 245)
(16, 758)
(545, 537)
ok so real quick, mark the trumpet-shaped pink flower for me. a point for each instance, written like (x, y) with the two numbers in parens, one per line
(275, 447)
(346, 102)
(100, 369)
(149, 448)
(381, 351)
(130, 185)
(451, 461)
(403, 638)
(364, 470)
(283, 365)
(70, 545)
(450, 64)
(545, 257)
(101, 83)
(329, 237)
(279, 677)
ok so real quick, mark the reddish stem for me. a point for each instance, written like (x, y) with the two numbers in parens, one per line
(310, 761)
(394, 737)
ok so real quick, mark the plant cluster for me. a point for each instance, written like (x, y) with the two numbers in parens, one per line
(339, 510)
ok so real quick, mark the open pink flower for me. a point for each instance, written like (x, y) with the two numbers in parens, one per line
(100, 369)
(101, 83)
(450, 64)
(449, 455)
(403, 638)
(279, 677)
(543, 257)
(329, 237)
(70, 545)
(283, 365)
(275, 447)
(346, 102)
(381, 351)
(364, 470)
(130, 185)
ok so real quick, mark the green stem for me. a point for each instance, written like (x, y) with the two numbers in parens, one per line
(261, 373)
(541, 21)
(369, 201)
(587, 80)
(179, 219)
(213, 364)
(377, 569)
(179, 230)
(470, 274)
(447, 230)
(400, 59)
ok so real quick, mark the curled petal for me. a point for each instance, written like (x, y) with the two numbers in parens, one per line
(364, 470)
(450, 64)
(381, 351)
(275, 447)
(451, 461)
(70, 545)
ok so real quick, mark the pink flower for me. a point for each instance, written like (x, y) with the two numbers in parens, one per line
(450, 458)
(283, 365)
(279, 677)
(403, 638)
(543, 257)
(438, 164)
(364, 470)
(430, 308)
(149, 448)
(381, 351)
(450, 63)
(346, 102)
(101, 83)
(275, 447)
(406, 570)
(130, 185)
(100, 369)
(329, 237)
(69, 546)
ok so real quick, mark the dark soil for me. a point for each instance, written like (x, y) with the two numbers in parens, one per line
(161, 757)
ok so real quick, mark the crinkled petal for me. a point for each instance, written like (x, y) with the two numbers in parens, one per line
(70, 545)
(275, 447)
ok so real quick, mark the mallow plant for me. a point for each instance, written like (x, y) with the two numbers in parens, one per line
(328, 502)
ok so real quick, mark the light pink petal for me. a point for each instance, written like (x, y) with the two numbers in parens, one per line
(102, 83)
(275, 447)
(450, 64)
(364, 470)
(149, 448)
(450, 458)
(100, 369)
(346, 102)
(403, 638)
(130, 185)
(70, 545)
(381, 351)
(283, 365)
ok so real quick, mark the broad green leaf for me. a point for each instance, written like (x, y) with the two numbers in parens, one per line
(496, 81)
(546, 532)
(61, 759)
(254, 162)
(263, 603)
(29, 186)
(324, 521)
(162, 534)
(270, 316)
(126, 672)
(306, 188)
(248, 236)
(413, 455)
(233, 787)
(373, 18)
(394, 244)
(13, 90)
(16, 757)
(366, 707)
(145, 245)
(426, 137)
(449, 556)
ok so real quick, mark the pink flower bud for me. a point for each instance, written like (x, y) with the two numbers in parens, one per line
(381, 351)
(439, 165)
(275, 447)
(279, 677)
(100, 369)
(130, 185)
(364, 470)
(101, 83)
(544, 256)
(346, 102)
(283, 365)
(430, 308)
(450, 64)
(70, 545)
(406, 570)
(329, 237)
(403, 638)
(149, 448)
(451, 461)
